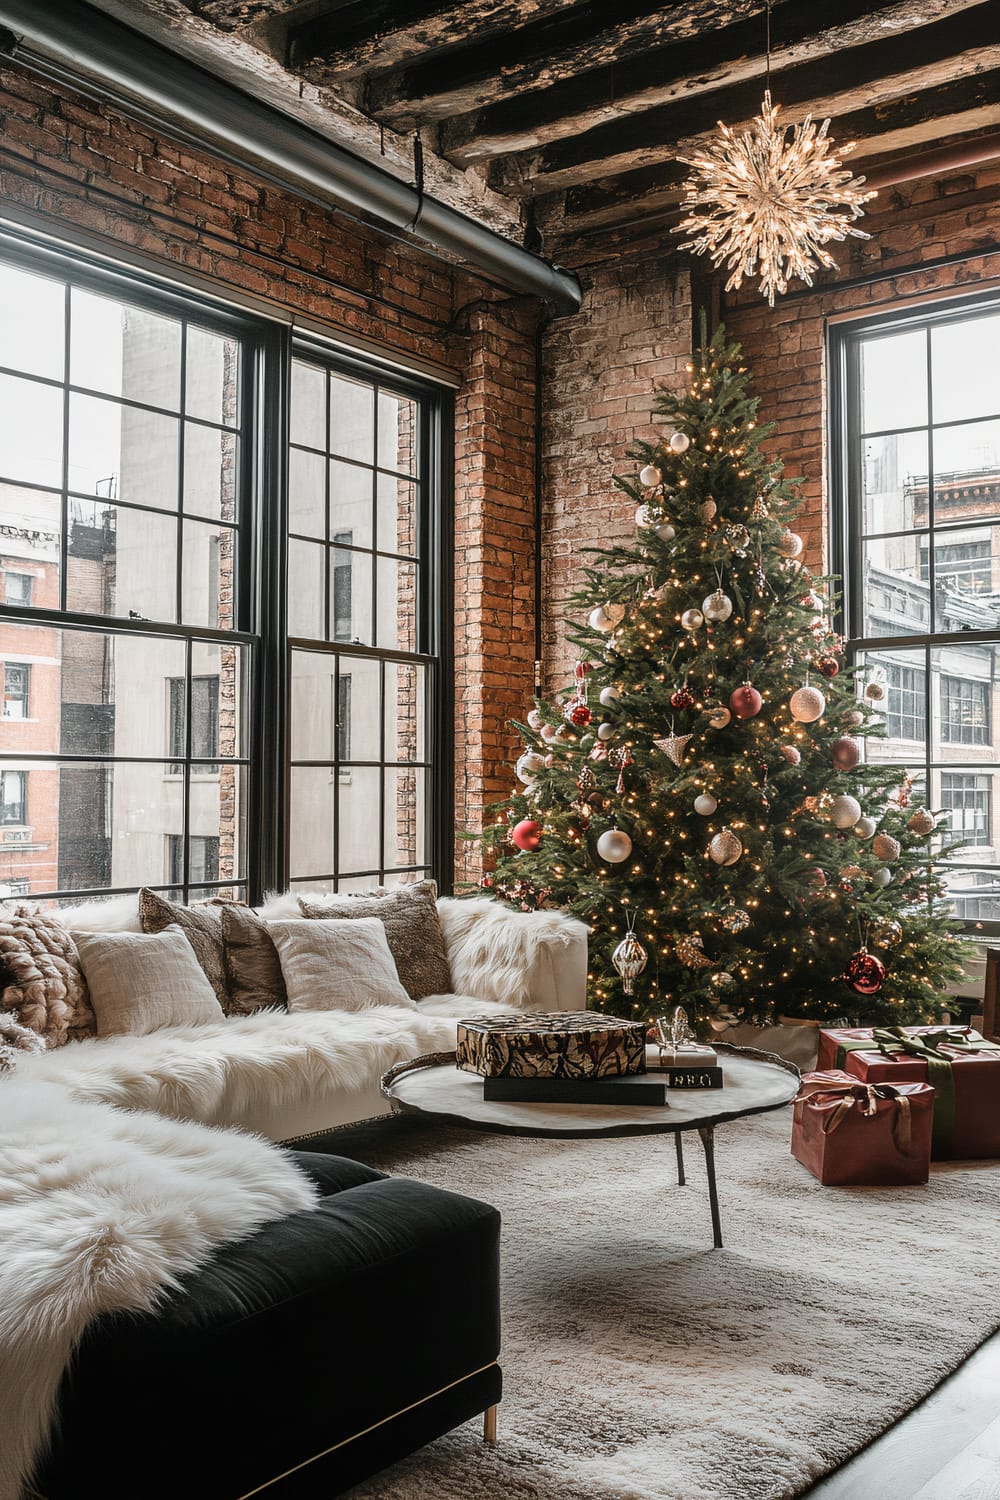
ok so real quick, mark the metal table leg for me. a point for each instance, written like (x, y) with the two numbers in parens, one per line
(681, 1179)
(707, 1134)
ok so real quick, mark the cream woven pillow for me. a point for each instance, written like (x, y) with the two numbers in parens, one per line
(141, 981)
(331, 965)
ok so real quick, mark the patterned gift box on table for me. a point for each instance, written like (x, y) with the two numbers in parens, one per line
(956, 1061)
(848, 1133)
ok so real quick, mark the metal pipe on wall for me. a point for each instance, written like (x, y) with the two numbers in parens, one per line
(82, 47)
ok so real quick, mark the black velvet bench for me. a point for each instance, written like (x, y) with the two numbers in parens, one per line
(296, 1362)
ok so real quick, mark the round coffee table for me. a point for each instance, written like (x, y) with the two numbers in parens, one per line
(432, 1086)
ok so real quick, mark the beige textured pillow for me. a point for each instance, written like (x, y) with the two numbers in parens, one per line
(41, 980)
(416, 941)
(141, 981)
(253, 968)
(201, 925)
(337, 965)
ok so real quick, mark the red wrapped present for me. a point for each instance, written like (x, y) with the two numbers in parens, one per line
(957, 1061)
(848, 1132)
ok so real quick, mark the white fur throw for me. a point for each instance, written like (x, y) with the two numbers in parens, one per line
(492, 948)
(102, 1210)
(217, 1072)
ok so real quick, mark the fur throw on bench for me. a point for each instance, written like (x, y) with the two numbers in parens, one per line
(102, 1210)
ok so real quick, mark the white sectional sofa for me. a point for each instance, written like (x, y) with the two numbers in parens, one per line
(288, 1075)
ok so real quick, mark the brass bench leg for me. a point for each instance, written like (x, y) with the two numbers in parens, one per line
(490, 1425)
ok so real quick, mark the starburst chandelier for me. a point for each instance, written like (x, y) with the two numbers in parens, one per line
(771, 198)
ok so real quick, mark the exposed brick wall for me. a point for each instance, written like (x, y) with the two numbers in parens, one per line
(916, 222)
(602, 371)
(79, 166)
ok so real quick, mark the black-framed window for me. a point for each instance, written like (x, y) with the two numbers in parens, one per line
(16, 689)
(365, 627)
(150, 514)
(916, 410)
(13, 797)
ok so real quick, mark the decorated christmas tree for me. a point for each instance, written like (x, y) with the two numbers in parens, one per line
(707, 794)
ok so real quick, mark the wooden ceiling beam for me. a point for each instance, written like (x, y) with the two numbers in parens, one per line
(862, 77)
(681, 70)
(550, 53)
(364, 36)
(958, 109)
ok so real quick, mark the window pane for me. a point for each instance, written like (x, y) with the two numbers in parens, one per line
(359, 688)
(124, 351)
(352, 419)
(32, 328)
(397, 515)
(405, 712)
(397, 605)
(894, 481)
(358, 827)
(109, 567)
(112, 692)
(308, 405)
(964, 370)
(350, 503)
(967, 800)
(29, 547)
(975, 894)
(229, 668)
(307, 493)
(311, 820)
(962, 695)
(901, 676)
(209, 472)
(405, 818)
(312, 705)
(122, 453)
(397, 433)
(211, 377)
(351, 596)
(218, 815)
(306, 587)
(966, 472)
(966, 578)
(896, 599)
(208, 581)
(31, 429)
(894, 381)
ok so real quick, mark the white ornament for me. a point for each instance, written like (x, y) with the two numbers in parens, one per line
(717, 607)
(606, 616)
(614, 846)
(853, 718)
(789, 544)
(679, 442)
(645, 517)
(605, 731)
(692, 618)
(534, 720)
(807, 705)
(705, 804)
(845, 812)
(665, 531)
(719, 717)
(549, 732)
(650, 476)
(865, 827)
(881, 878)
(608, 696)
(725, 847)
(529, 766)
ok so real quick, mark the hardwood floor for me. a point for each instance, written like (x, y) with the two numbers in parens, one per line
(947, 1448)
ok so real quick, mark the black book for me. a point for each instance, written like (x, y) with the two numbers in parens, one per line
(632, 1088)
(693, 1077)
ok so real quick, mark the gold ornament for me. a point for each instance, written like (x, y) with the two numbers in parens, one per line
(760, 511)
(887, 933)
(921, 822)
(673, 747)
(736, 920)
(708, 510)
(885, 847)
(725, 847)
(771, 198)
(689, 951)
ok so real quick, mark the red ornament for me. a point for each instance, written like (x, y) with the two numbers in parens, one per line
(847, 886)
(745, 702)
(828, 666)
(682, 697)
(865, 974)
(527, 834)
(578, 713)
(845, 753)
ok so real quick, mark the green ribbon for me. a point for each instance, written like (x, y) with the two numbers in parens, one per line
(896, 1041)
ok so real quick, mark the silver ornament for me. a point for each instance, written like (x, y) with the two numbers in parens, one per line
(692, 618)
(789, 544)
(717, 607)
(614, 846)
(705, 804)
(629, 959)
(725, 847)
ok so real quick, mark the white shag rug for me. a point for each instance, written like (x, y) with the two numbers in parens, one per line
(102, 1210)
(641, 1364)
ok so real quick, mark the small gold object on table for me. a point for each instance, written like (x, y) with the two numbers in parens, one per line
(686, 1062)
(551, 1044)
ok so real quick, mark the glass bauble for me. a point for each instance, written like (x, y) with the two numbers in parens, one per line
(692, 618)
(705, 804)
(607, 696)
(845, 753)
(526, 835)
(717, 607)
(807, 704)
(629, 958)
(665, 531)
(789, 543)
(534, 720)
(679, 442)
(528, 766)
(614, 846)
(725, 847)
(865, 827)
(845, 812)
(745, 701)
(650, 476)
(865, 974)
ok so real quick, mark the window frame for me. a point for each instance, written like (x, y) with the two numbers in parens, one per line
(260, 597)
(847, 531)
